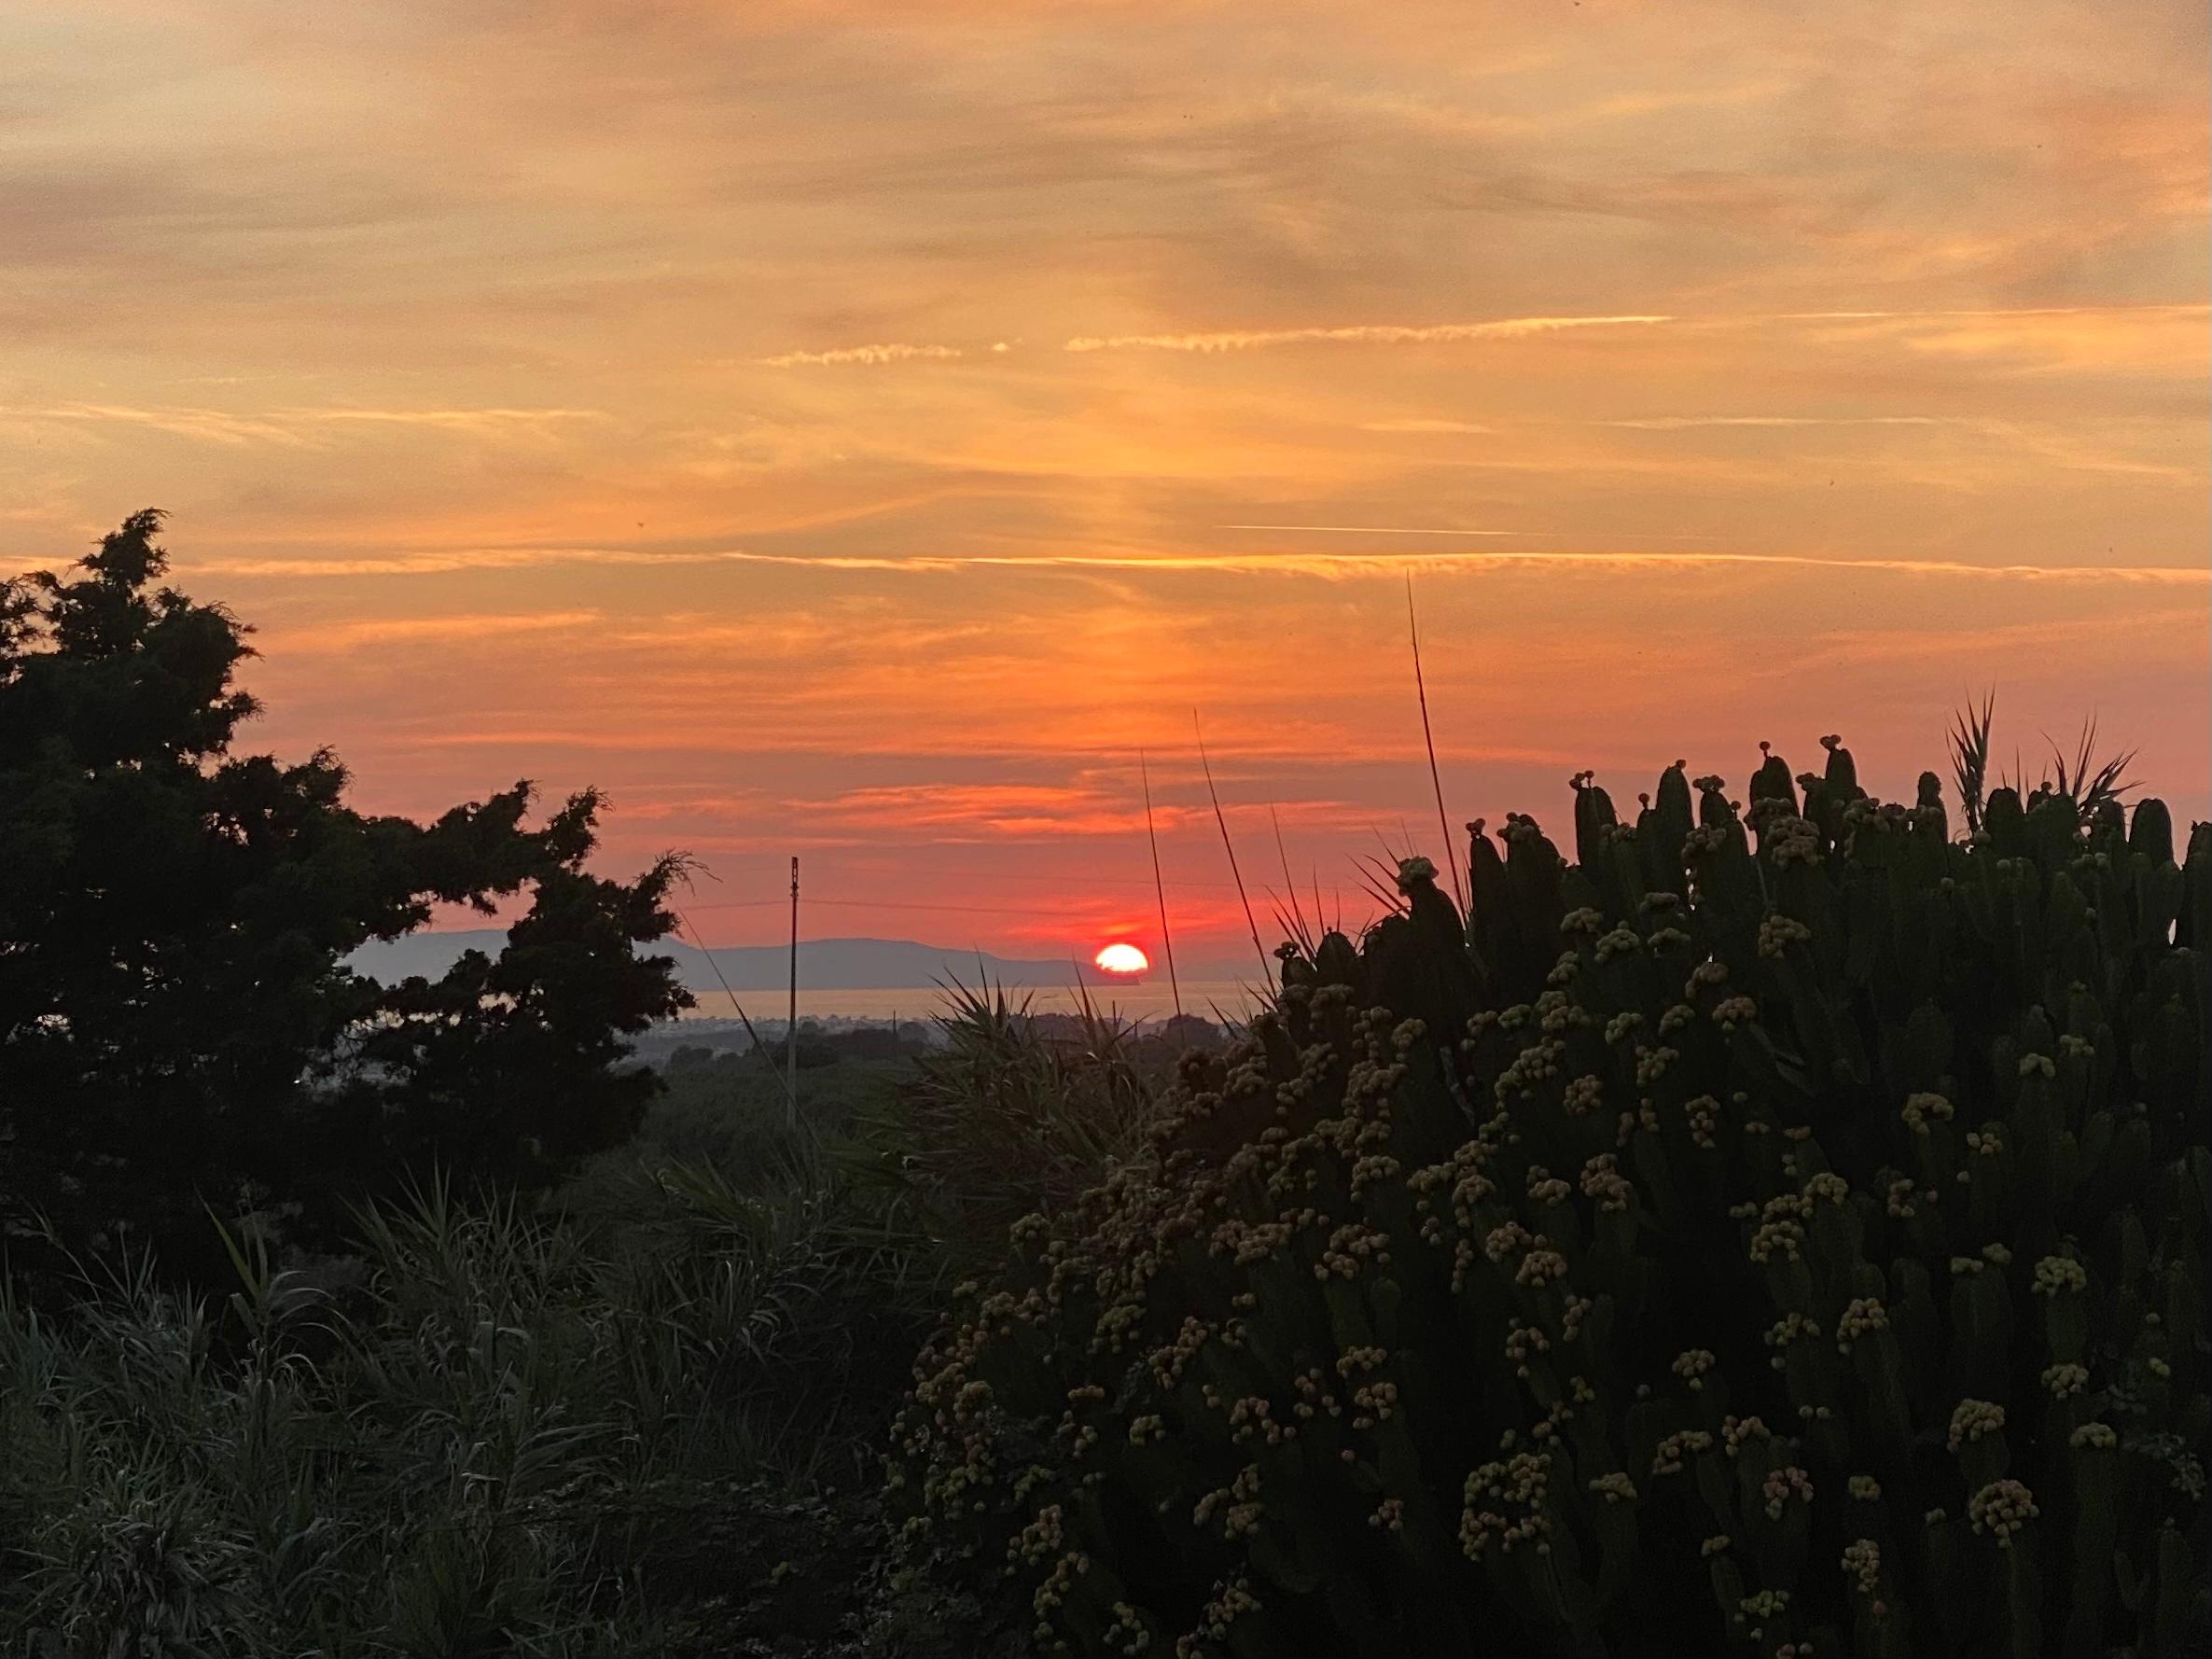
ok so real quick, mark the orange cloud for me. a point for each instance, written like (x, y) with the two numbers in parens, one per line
(617, 395)
(839, 356)
(1356, 333)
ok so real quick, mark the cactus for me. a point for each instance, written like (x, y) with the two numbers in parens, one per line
(1778, 1232)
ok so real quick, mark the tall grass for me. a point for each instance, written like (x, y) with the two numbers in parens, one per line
(998, 1121)
(498, 1433)
(609, 1422)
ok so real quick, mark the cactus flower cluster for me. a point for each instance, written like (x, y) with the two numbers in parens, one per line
(1778, 1230)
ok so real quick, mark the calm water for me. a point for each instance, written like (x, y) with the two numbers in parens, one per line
(1148, 1000)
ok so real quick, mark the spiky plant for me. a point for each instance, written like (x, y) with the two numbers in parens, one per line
(1971, 729)
(998, 1119)
(2094, 785)
(1778, 1231)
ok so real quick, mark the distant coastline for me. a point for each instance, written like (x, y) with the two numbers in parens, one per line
(857, 978)
(1151, 999)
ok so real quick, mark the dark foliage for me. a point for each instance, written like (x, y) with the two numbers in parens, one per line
(1011, 1112)
(178, 1025)
(636, 1415)
(1775, 1232)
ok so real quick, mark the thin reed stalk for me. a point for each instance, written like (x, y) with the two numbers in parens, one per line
(1167, 943)
(1427, 737)
(1228, 846)
(790, 1083)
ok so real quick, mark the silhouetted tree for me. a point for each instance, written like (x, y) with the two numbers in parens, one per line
(178, 1022)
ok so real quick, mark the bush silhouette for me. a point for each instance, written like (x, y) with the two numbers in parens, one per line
(177, 1024)
(1774, 1232)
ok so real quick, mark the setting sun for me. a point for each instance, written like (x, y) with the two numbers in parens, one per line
(597, 598)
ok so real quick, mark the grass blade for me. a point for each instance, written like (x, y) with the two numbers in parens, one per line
(1167, 943)
(1969, 758)
(790, 1084)
(1427, 737)
(1229, 847)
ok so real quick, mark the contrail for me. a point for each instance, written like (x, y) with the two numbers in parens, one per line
(1374, 530)
(1238, 340)
(1323, 565)
(1420, 530)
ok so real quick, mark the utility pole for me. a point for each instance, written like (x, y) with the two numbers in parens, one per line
(791, 1023)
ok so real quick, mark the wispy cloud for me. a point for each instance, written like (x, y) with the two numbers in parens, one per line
(1239, 339)
(365, 631)
(293, 429)
(445, 562)
(1373, 530)
(2144, 634)
(893, 351)
(1425, 425)
(1016, 810)
(683, 316)
(209, 426)
(1393, 565)
(462, 420)
(1687, 423)
(1441, 530)
(2154, 308)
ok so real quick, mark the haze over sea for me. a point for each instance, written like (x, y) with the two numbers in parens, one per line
(1151, 1000)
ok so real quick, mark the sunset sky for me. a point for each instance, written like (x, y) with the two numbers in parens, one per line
(857, 430)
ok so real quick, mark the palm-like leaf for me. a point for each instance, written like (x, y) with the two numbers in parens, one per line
(1970, 757)
(2091, 783)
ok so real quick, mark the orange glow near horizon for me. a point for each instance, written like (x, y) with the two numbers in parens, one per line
(868, 432)
(1122, 958)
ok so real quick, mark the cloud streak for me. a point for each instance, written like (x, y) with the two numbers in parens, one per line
(1675, 352)
(207, 425)
(457, 420)
(1393, 565)
(1374, 530)
(1243, 339)
(293, 427)
(446, 563)
(1691, 422)
(845, 356)
(367, 631)
(1428, 426)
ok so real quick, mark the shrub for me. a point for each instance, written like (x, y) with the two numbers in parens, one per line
(733, 1114)
(177, 1021)
(1778, 1231)
(496, 1433)
(1003, 1117)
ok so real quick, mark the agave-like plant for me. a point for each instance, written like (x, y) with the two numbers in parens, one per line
(1969, 758)
(2094, 785)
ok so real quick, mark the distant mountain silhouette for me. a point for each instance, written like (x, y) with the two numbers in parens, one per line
(824, 964)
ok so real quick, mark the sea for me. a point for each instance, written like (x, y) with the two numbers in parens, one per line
(1150, 999)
